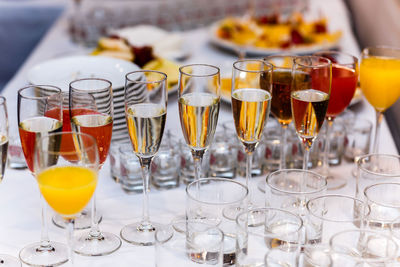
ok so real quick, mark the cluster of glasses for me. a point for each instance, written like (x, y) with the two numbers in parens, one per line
(65, 145)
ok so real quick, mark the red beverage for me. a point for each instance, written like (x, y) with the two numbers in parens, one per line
(30, 130)
(96, 124)
(344, 83)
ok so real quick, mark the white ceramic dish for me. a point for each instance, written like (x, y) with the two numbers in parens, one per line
(61, 71)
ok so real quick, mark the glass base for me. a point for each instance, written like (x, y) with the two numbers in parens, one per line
(82, 221)
(36, 255)
(231, 212)
(179, 223)
(9, 261)
(103, 244)
(138, 234)
(261, 185)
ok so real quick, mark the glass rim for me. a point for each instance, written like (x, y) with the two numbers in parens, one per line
(59, 152)
(365, 51)
(57, 91)
(294, 215)
(217, 70)
(323, 187)
(327, 62)
(363, 258)
(365, 192)
(337, 196)
(218, 180)
(271, 67)
(108, 85)
(331, 52)
(280, 56)
(361, 158)
(146, 81)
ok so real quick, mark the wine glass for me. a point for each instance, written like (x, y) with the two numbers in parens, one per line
(344, 84)
(146, 112)
(5, 260)
(40, 113)
(199, 100)
(281, 88)
(95, 119)
(311, 86)
(67, 175)
(379, 79)
(81, 100)
(251, 103)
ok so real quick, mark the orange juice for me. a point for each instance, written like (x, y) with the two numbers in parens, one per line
(67, 189)
(380, 81)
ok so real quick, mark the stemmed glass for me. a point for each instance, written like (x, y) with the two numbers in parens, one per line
(199, 99)
(344, 84)
(5, 260)
(311, 86)
(251, 102)
(67, 176)
(145, 112)
(281, 88)
(39, 113)
(379, 79)
(95, 119)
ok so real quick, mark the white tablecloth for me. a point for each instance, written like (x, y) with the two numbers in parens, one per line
(19, 194)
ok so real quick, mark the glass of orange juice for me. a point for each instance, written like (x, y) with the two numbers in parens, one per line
(67, 176)
(380, 82)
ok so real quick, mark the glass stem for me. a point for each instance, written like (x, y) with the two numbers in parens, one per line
(145, 165)
(198, 160)
(249, 149)
(306, 157)
(282, 164)
(44, 240)
(70, 239)
(379, 117)
(94, 229)
(325, 161)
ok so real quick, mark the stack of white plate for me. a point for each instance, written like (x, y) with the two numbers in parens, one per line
(61, 71)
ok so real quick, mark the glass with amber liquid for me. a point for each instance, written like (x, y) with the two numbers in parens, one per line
(311, 87)
(281, 106)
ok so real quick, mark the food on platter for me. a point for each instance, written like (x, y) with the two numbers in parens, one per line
(273, 32)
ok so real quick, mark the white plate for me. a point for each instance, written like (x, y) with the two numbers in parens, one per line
(256, 51)
(61, 71)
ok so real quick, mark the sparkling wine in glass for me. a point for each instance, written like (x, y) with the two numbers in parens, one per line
(344, 84)
(5, 260)
(67, 177)
(251, 103)
(311, 86)
(199, 100)
(40, 113)
(380, 83)
(145, 117)
(94, 119)
(281, 89)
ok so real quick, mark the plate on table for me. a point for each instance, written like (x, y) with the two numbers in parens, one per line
(61, 71)
(255, 37)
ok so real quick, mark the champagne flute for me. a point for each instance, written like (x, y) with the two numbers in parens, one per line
(380, 83)
(281, 106)
(146, 112)
(199, 100)
(5, 260)
(344, 84)
(67, 175)
(95, 119)
(251, 103)
(40, 113)
(311, 86)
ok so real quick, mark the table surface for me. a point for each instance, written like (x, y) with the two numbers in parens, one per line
(20, 212)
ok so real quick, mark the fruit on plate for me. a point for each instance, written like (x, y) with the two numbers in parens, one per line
(274, 32)
(166, 66)
(114, 47)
